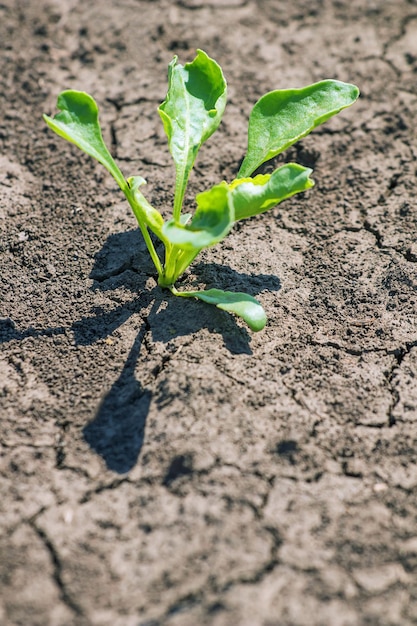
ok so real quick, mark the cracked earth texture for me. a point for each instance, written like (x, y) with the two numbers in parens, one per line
(160, 464)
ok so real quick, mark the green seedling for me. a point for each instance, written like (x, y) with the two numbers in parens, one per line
(191, 112)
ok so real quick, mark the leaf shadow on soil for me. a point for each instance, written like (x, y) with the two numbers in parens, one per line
(117, 431)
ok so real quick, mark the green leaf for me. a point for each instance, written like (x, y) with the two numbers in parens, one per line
(185, 218)
(282, 117)
(241, 304)
(252, 196)
(212, 221)
(191, 113)
(144, 211)
(78, 123)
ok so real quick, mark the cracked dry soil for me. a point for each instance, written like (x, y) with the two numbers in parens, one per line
(160, 464)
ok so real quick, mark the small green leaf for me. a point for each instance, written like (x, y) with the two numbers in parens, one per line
(144, 211)
(252, 196)
(282, 117)
(191, 113)
(212, 221)
(78, 123)
(242, 304)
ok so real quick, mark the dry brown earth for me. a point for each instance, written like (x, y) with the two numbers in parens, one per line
(160, 464)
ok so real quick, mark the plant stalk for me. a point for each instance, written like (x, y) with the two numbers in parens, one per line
(145, 233)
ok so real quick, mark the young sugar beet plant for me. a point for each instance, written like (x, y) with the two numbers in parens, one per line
(190, 114)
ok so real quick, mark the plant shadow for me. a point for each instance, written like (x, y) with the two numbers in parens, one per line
(124, 258)
(169, 319)
(116, 433)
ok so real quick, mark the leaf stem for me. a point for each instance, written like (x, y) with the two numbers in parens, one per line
(181, 180)
(169, 276)
(151, 248)
(184, 260)
(144, 230)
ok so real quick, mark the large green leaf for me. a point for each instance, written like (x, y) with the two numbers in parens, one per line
(212, 221)
(282, 117)
(252, 196)
(191, 113)
(78, 123)
(242, 304)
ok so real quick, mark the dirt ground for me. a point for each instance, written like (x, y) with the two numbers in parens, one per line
(161, 465)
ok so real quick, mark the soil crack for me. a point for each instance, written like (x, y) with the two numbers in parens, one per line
(399, 355)
(58, 571)
(378, 237)
(262, 572)
(402, 31)
(348, 349)
(100, 488)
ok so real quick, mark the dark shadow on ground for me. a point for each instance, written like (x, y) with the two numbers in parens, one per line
(117, 431)
(177, 317)
(224, 277)
(123, 261)
(184, 317)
